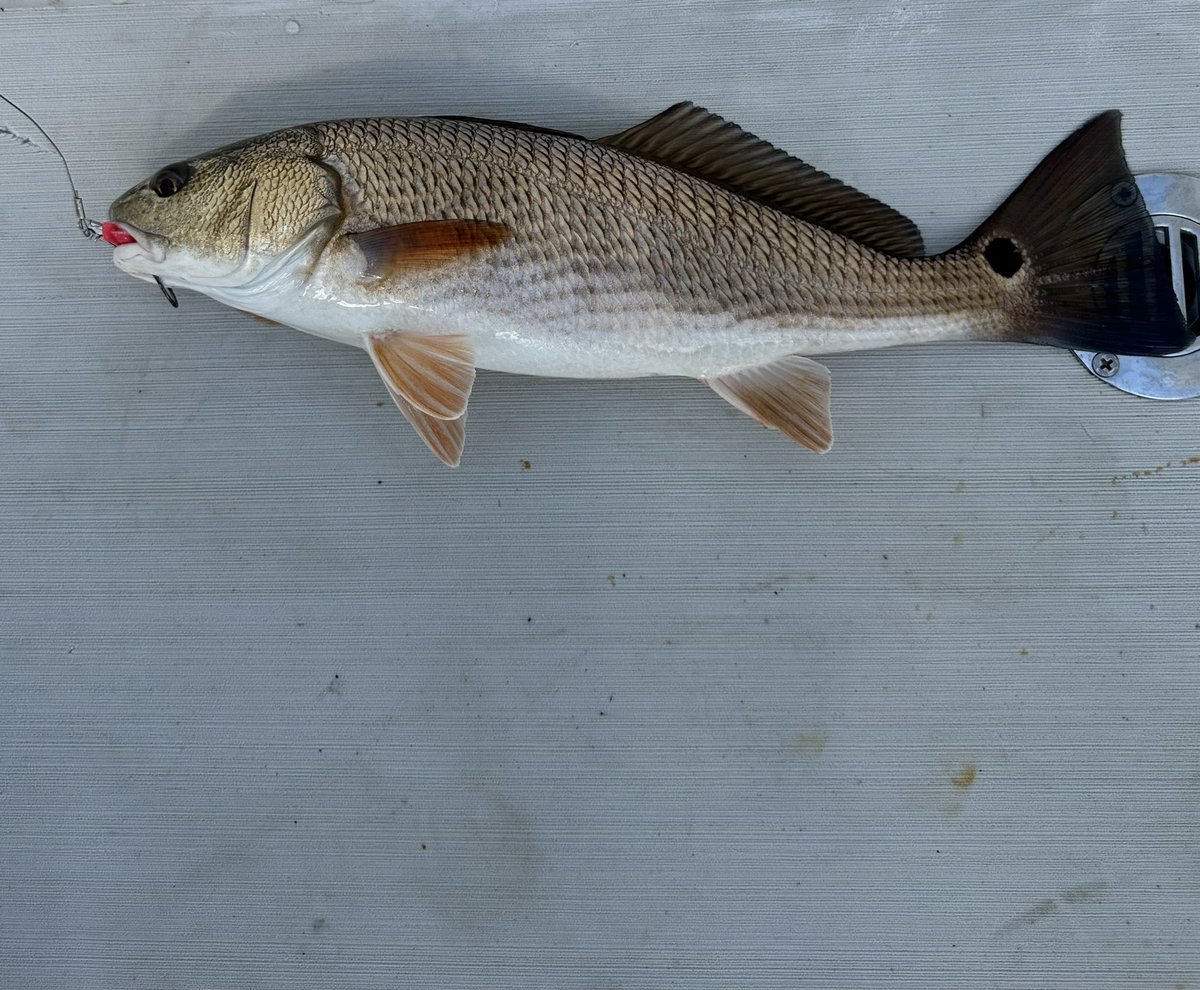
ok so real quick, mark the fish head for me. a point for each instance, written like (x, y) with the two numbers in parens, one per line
(223, 219)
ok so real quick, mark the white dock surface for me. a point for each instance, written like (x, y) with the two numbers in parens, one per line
(642, 696)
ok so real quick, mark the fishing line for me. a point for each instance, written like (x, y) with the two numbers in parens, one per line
(90, 229)
(93, 230)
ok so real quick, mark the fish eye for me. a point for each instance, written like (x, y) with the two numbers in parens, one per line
(168, 181)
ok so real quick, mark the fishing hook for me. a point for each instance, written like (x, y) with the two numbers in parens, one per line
(168, 292)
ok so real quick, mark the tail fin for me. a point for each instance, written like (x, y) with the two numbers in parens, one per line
(1096, 277)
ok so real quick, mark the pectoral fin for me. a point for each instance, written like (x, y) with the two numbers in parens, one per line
(790, 395)
(433, 372)
(412, 247)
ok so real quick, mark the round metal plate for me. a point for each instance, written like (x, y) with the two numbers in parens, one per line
(1174, 202)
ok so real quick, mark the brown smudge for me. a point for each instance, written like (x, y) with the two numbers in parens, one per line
(1080, 894)
(809, 745)
(1085, 893)
(966, 777)
(1152, 472)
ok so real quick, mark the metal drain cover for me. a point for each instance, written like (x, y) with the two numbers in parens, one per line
(1174, 202)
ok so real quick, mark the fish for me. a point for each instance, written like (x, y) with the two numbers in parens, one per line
(681, 246)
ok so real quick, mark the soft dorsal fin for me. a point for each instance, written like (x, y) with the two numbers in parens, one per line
(790, 395)
(690, 139)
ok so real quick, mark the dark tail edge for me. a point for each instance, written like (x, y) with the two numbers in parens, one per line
(1096, 276)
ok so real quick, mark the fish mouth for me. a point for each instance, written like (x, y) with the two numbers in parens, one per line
(141, 255)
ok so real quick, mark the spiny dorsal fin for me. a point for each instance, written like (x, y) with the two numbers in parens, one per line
(690, 139)
(791, 395)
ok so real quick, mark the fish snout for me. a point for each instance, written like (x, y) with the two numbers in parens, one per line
(134, 250)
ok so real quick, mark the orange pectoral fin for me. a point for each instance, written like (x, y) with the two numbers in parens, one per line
(412, 247)
(433, 372)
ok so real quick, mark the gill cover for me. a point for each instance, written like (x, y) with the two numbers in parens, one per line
(222, 217)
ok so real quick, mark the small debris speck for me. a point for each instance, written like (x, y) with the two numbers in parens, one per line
(526, 465)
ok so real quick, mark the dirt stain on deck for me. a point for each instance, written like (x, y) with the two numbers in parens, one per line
(1152, 472)
(1076, 896)
(966, 777)
(808, 745)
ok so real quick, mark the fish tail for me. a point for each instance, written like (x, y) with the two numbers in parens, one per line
(1076, 252)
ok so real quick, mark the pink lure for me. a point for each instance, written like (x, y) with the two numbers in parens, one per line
(115, 235)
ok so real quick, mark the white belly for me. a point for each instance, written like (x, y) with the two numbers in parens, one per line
(615, 336)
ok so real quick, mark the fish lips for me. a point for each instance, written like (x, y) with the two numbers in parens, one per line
(143, 255)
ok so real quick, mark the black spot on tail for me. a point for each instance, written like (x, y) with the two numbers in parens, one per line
(1004, 256)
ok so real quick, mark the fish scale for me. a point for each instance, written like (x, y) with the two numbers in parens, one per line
(790, 268)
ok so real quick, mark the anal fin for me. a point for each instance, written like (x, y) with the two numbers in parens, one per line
(790, 395)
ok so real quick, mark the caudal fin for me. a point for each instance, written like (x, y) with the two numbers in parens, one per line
(1077, 244)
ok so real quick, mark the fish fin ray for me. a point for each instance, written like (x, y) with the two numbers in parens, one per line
(790, 395)
(425, 244)
(433, 372)
(691, 139)
(1079, 247)
(442, 436)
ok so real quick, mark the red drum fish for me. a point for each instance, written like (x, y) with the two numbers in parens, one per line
(683, 246)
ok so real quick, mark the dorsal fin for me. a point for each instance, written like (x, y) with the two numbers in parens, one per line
(690, 139)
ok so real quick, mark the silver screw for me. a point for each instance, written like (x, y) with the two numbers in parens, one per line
(1124, 193)
(1105, 365)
